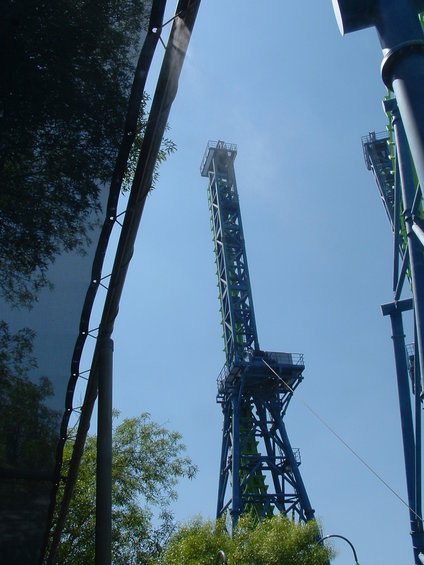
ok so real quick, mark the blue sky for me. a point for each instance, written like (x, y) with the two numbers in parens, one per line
(277, 79)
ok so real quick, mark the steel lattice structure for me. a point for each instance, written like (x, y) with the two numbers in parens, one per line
(399, 25)
(259, 470)
(387, 155)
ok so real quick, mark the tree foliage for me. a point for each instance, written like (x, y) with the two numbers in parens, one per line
(167, 148)
(148, 461)
(65, 72)
(28, 428)
(28, 438)
(274, 541)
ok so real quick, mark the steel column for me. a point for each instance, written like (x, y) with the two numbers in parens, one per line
(418, 434)
(104, 455)
(276, 477)
(236, 508)
(225, 451)
(398, 336)
(402, 41)
(300, 486)
(416, 254)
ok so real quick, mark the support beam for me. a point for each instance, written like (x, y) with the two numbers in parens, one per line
(416, 255)
(413, 481)
(104, 455)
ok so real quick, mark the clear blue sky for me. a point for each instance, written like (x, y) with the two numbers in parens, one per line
(277, 79)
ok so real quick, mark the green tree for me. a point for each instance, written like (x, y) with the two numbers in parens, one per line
(28, 427)
(28, 438)
(66, 68)
(167, 148)
(274, 541)
(148, 461)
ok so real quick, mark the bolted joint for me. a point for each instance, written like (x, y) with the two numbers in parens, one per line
(394, 56)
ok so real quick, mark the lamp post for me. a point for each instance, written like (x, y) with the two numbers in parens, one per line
(346, 540)
(221, 555)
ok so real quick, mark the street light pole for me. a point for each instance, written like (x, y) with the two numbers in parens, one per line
(346, 540)
(221, 555)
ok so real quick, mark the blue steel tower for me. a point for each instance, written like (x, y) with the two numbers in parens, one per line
(259, 470)
(388, 156)
(397, 161)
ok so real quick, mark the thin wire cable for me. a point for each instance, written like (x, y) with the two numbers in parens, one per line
(330, 429)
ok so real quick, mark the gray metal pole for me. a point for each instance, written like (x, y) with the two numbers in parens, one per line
(104, 455)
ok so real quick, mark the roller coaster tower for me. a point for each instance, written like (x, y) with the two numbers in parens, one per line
(259, 470)
(397, 160)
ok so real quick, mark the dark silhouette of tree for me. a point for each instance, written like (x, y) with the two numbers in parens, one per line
(65, 72)
(66, 69)
(28, 437)
(28, 428)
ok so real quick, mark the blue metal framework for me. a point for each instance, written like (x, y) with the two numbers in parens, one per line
(259, 470)
(399, 25)
(388, 157)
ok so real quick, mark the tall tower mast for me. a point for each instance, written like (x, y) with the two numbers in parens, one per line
(259, 470)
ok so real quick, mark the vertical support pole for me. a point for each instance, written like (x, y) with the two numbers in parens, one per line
(402, 41)
(418, 434)
(398, 336)
(288, 451)
(226, 446)
(396, 227)
(236, 497)
(416, 255)
(270, 451)
(103, 546)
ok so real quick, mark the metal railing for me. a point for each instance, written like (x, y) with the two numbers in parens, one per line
(216, 145)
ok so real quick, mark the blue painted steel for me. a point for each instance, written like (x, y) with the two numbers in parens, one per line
(412, 481)
(402, 40)
(400, 195)
(415, 248)
(238, 317)
(401, 37)
(404, 199)
(259, 470)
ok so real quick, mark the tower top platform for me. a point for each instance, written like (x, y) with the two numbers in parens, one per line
(212, 146)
